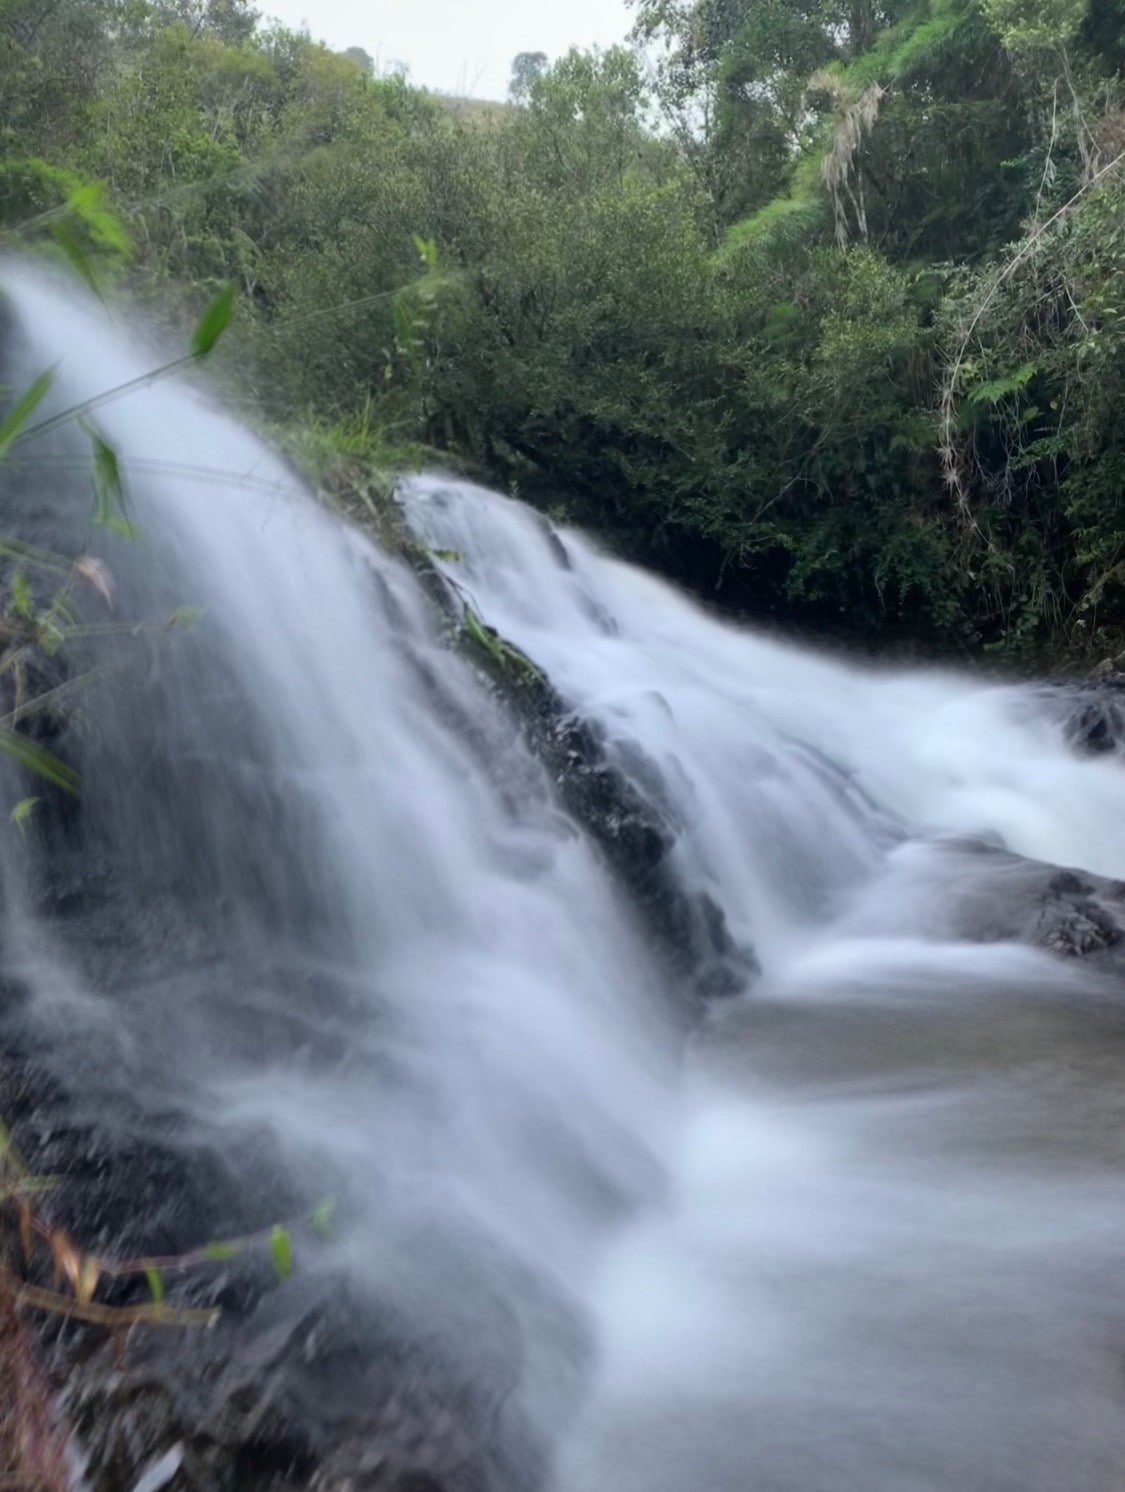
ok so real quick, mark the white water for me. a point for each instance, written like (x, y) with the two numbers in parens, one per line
(890, 1257)
(413, 971)
(887, 1252)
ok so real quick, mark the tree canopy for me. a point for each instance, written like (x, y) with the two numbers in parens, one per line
(527, 67)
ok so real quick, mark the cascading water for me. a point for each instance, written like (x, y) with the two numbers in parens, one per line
(890, 1254)
(322, 915)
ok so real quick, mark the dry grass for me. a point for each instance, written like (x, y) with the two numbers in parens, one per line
(32, 1441)
(856, 115)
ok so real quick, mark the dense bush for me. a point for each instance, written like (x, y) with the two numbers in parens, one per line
(820, 305)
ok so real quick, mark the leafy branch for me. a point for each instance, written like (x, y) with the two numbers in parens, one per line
(27, 629)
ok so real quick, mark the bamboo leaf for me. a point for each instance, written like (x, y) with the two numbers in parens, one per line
(109, 493)
(185, 616)
(321, 1218)
(87, 202)
(220, 1251)
(213, 323)
(89, 1274)
(67, 1260)
(22, 811)
(38, 759)
(76, 255)
(23, 409)
(281, 1248)
(22, 602)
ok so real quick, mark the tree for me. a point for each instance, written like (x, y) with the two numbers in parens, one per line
(362, 59)
(841, 335)
(526, 68)
(232, 21)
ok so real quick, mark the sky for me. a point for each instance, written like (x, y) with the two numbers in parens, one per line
(457, 46)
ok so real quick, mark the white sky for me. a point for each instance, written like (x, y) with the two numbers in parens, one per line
(457, 46)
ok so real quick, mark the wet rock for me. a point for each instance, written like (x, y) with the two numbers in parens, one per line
(615, 794)
(330, 1400)
(1093, 714)
(1080, 915)
(636, 829)
(300, 1384)
(979, 892)
(1098, 725)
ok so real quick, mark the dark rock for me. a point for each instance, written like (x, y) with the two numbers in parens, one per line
(1097, 726)
(614, 795)
(329, 1400)
(1092, 714)
(301, 1384)
(621, 807)
(983, 893)
(1078, 916)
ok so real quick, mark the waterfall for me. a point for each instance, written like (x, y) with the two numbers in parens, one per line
(888, 1256)
(322, 914)
(322, 924)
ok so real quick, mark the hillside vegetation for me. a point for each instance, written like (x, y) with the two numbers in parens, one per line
(817, 304)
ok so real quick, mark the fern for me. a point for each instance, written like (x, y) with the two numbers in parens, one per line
(996, 390)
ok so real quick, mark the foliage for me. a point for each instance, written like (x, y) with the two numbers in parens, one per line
(527, 69)
(744, 298)
(33, 631)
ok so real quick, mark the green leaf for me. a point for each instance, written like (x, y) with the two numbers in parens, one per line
(76, 255)
(22, 811)
(220, 1251)
(447, 556)
(321, 1218)
(213, 323)
(281, 1248)
(427, 251)
(185, 616)
(88, 203)
(38, 759)
(109, 508)
(24, 407)
(22, 603)
(403, 323)
(479, 632)
(155, 1285)
(997, 389)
